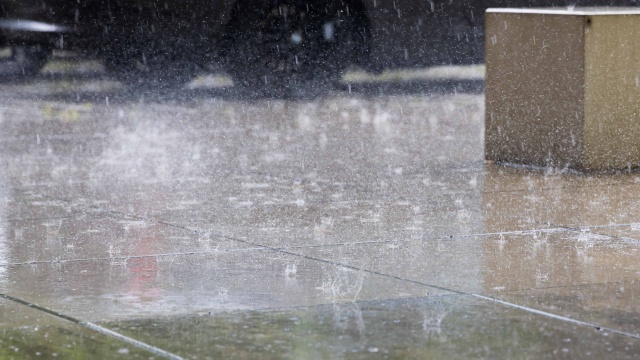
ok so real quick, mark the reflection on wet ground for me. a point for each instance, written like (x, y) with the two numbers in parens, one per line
(208, 223)
(436, 327)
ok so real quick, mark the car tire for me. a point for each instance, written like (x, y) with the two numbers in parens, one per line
(150, 71)
(23, 61)
(287, 46)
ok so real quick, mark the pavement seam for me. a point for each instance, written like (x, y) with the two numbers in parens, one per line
(458, 292)
(40, 218)
(259, 247)
(442, 288)
(94, 327)
(478, 296)
(555, 316)
(127, 257)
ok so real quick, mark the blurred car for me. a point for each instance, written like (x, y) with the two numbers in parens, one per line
(260, 43)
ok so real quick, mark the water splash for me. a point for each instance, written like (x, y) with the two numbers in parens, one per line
(344, 285)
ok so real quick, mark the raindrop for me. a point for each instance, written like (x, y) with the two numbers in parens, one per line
(328, 30)
(291, 270)
(296, 38)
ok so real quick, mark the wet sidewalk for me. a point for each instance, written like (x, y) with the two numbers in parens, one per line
(203, 225)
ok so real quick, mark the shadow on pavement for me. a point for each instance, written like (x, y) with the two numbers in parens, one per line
(75, 93)
(430, 87)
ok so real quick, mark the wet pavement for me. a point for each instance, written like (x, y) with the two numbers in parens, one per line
(364, 223)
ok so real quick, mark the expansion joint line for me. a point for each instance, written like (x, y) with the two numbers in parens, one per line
(477, 296)
(97, 328)
(554, 316)
(433, 286)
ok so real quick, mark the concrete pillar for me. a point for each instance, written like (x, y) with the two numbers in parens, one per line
(563, 87)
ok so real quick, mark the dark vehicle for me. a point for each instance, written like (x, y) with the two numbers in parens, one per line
(261, 43)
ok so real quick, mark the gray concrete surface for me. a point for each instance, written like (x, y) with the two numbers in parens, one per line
(206, 223)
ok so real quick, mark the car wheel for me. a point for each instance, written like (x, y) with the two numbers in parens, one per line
(23, 61)
(144, 66)
(288, 45)
(139, 72)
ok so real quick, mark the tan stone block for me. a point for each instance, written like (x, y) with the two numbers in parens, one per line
(563, 87)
